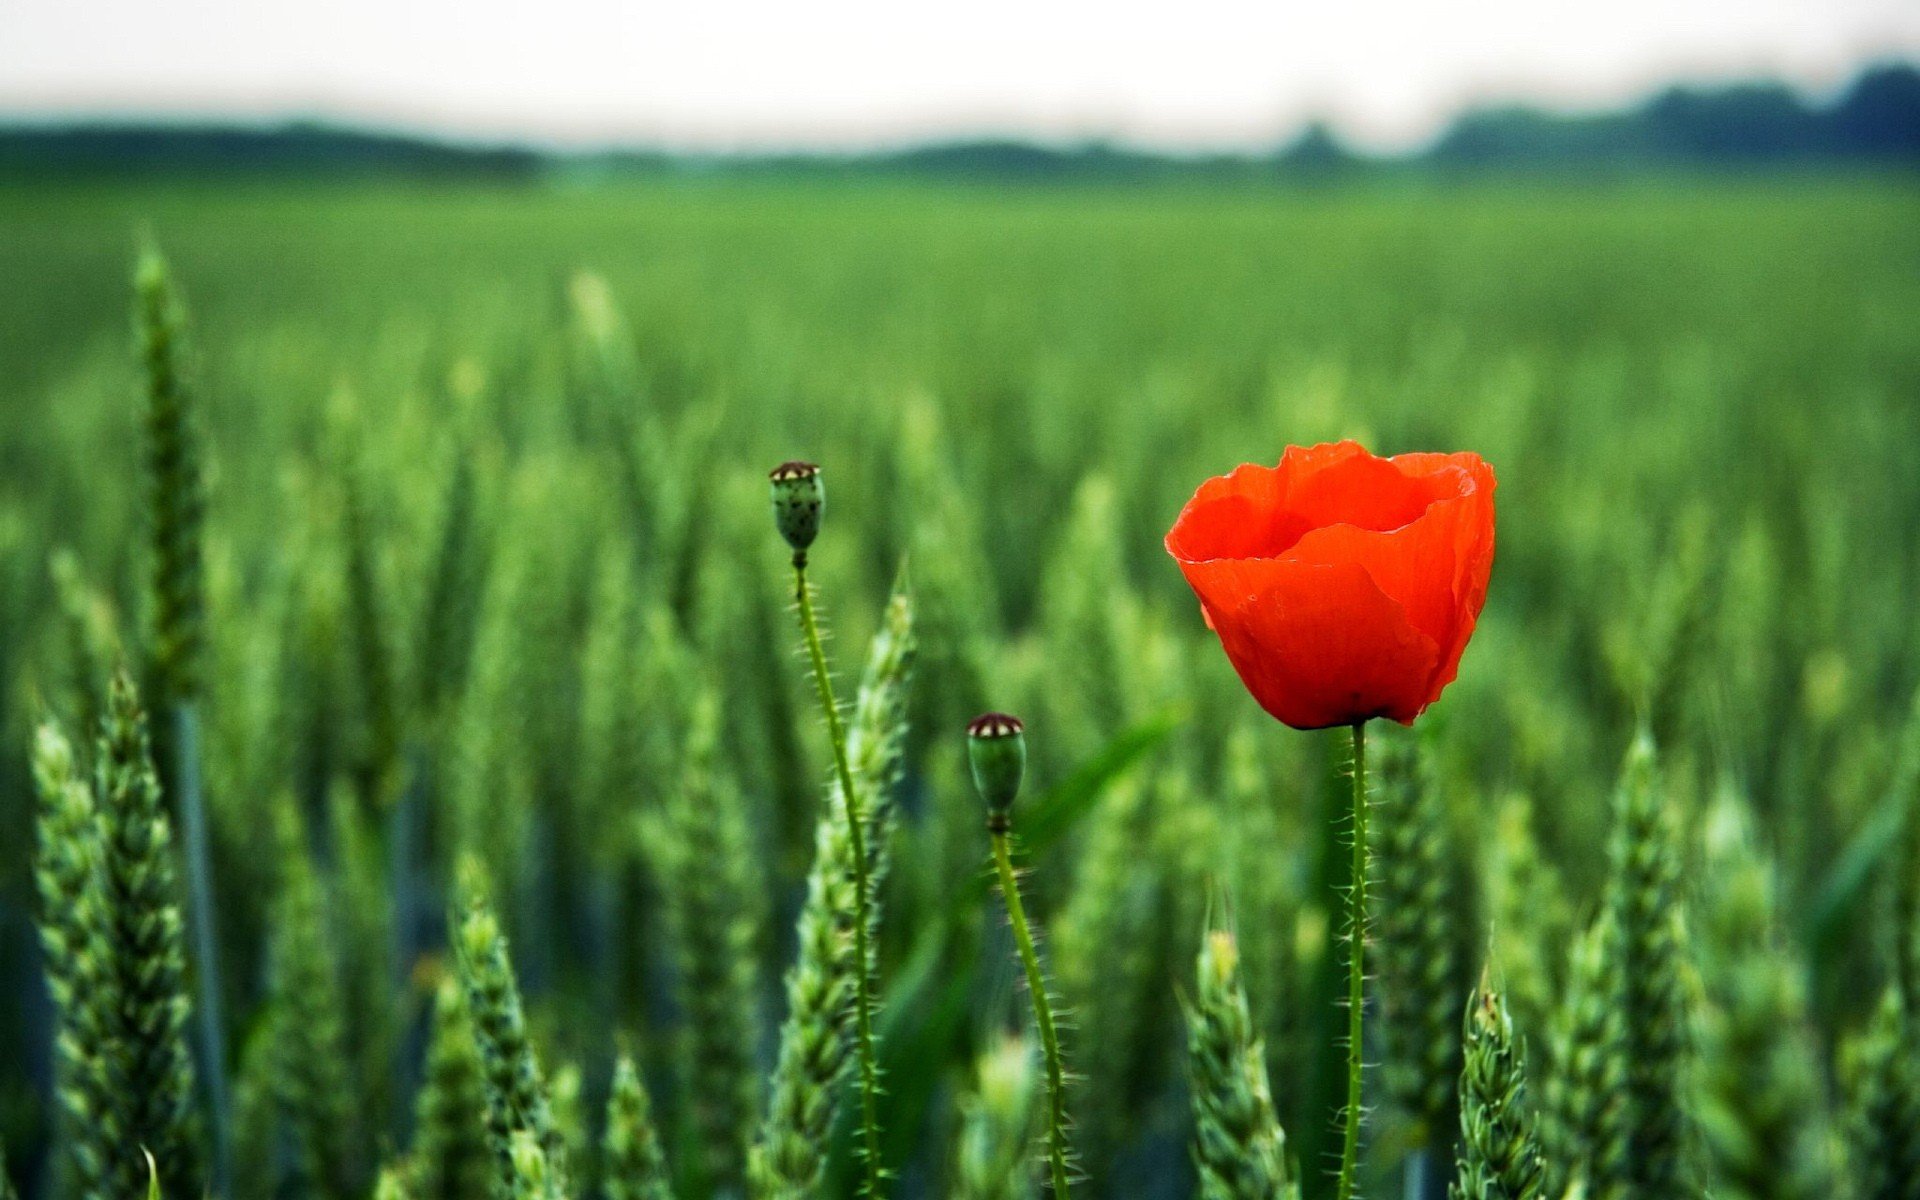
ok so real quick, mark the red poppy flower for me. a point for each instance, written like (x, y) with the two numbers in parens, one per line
(1343, 586)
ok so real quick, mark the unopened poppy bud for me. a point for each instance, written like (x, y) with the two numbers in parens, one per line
(997, 750)
(798, 498)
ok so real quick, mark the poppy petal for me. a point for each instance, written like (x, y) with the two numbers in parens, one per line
(1426, 565)
(1316, 644)
(1360, 490)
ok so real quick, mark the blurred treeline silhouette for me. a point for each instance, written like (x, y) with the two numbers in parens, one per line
(1873, 122)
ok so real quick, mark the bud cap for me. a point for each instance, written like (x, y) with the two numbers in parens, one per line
(798, 498)
(997, 750)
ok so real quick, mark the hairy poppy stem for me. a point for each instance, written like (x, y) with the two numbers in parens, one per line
(1356, 975)
(1042, 1010)
(862, 885)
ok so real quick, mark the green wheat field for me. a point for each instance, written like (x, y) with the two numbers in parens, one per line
(424, 532)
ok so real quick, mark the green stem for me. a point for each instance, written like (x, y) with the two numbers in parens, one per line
(862, 885)
(1042, 1016)
(185, 778)
(1356, 975)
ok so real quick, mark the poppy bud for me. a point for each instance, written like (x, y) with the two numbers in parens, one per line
(997, 750)
(798, 498)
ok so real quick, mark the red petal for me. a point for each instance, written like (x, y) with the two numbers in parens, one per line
(1240, 515)
(1355, 488)
(1435, 567)
(1473, 560)
(1317, 645)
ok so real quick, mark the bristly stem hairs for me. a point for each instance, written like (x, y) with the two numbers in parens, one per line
(799, 498)
(997, 751)
(1356, 973)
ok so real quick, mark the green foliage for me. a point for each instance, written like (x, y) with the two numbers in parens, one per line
(451, 534)
(1238, 1145)
(631, 1160)
(1499, 1153)
(450, 1158)
(1884, 1089)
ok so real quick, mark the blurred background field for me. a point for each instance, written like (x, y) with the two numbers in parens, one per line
(487, 509)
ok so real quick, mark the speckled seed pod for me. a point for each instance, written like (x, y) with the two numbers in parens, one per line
(798, 499)
(997, 749)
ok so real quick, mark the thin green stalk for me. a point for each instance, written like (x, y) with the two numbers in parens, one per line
(1042, 1015)
(862, 884)
(1356, 976)
(184, 748)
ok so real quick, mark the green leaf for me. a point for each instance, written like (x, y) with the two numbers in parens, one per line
(1838, 898)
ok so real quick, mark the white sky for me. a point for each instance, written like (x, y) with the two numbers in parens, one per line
(727, 74)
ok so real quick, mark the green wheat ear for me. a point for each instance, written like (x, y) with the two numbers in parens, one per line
(1580, 1127)
(176, 649)
(1416, 943)
(177, 499)
(1238, 1145)
(67, 877)
(531, 1174)
(1883, 1084)
(312, 1083)
(450, 1156)
(565, 1091)
(631, 1159)
(90, 640)
(1499, 1154)
(710, 882)
(373, 655)
(1762, 1099)
(517, 1100)
(999, 1125)
(259, 1150)
(394, 1183)
(140, 980)
(7, 1191)
(1648, 968)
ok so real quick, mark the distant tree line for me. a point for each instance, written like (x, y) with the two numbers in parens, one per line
(1876, 119)
(1873, 122)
